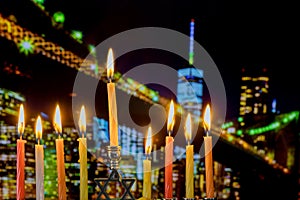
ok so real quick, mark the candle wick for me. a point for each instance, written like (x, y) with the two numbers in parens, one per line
(82, 134)
(38, 141)
(188, 142)
(170, 133)
(20, 136)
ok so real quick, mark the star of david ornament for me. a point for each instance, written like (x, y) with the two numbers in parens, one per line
(114, 176)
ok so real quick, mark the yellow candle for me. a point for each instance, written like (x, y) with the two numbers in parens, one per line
(39, 161)
(189, 170)
(147, 184)
(21, 157)
(83, 157)
(169, 154)
(112, 105)
(60, 157)
(208, 155)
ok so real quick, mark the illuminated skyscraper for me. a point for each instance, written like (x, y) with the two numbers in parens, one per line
(10, 102)
(190, 82)
(254, 97)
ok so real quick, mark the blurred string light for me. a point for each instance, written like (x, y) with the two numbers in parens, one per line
(59, 17)
(39, 1)
(77, 35)
(280, 122)
(26, 46)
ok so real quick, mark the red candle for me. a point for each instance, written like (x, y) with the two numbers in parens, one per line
(21, 157)
(169, 154)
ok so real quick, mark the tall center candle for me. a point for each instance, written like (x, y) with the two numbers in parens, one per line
(208, 155)
(83, 156)
(189, 170)
(60, 157)
(169, 154)
(39, 161)
(112, 105)
(21, 156)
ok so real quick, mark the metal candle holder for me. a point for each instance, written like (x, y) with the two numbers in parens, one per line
(114, 156)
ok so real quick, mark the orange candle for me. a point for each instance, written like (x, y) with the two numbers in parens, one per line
(208, 155)
(60, 156)
(112, 105)
(189, 169)
(21, 157)
(83, 156)
(169, 154)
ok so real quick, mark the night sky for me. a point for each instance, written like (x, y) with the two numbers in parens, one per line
(236, 34)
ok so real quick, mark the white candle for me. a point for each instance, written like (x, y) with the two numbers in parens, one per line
(39, 161)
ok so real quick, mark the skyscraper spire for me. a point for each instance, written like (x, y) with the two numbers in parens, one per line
(191, 50)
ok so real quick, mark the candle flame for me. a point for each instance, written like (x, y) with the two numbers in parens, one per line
(171, 118)
(188, 128)
(110, 64)
(148, 146)
(82, 121)
(38, 128)
(57, 120)
(21, 122)
(207, 118)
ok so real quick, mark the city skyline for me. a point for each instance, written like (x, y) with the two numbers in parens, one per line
(47, 46)
(247, 49)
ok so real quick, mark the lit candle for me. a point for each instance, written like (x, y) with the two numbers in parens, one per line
(189, 170)
(169, 154)
(21, 156)
(147, 185)
(112, 105)
(60, 156)
(39, 161)
(208, 154)
(83, 156)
